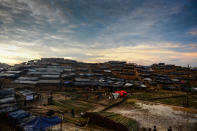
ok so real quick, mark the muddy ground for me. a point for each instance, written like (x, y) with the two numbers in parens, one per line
(149, 114)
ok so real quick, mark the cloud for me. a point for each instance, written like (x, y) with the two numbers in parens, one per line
(100, 30)
(44, 9)
(12, 54)
(191, 55)
(147, 53)
(142, 53)
(193, 33)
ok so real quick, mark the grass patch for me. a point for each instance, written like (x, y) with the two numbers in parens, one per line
(128, 122)
(179, 101)
(129, 104)
(172, 101)
(68, 105)
(76, 120)
(151, 95)
(193, 101)
(146, 96)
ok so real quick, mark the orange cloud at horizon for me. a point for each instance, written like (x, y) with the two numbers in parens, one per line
(145, 54)
(191, 54)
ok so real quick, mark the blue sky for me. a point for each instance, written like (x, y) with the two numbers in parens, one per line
(141, 31)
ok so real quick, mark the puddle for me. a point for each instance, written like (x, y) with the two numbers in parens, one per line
(160, 115)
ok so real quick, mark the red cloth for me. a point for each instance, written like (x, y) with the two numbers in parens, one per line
(121, 93)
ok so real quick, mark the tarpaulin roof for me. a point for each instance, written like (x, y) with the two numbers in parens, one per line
(7, 100)
(26, 120)
(9, 109)
(5, 92)
(41, 123)
(67, 82)
(143, 86)
(121, 92)
(26, 92)
(19, 114)
(7, 105)
(128, 84)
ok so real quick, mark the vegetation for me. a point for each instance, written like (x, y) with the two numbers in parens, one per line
(76, 120)
(192, 101)
(144, 95)
(128, 122)
(177, 101)
(68, 105)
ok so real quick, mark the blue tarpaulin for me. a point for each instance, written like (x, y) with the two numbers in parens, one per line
(67, 82)
(8, 109)
(6, 92)
(19, 114)
(41, 123)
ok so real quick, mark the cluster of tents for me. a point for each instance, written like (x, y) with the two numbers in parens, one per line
(19, 118)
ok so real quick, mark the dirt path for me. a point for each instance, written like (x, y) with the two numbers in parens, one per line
(163, 116)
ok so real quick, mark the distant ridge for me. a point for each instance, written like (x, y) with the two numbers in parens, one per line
(3, 65)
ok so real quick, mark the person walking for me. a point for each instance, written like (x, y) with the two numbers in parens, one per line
(170, 128)
(155, 128)
(73, 113)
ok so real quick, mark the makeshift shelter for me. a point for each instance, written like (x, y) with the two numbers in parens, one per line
(68, 83)
(6, 92)
(9, 109)
(7, 100)
(141, 86)
(147, 79)
(128, 85)
(41, 123)
(28, 94)
(7, 105)
(15, 117)
(118, 84)
(20, 118)
(115, 95)
(26, 120)
(121, 93)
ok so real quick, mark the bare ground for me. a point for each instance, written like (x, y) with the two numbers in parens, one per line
(163, 116)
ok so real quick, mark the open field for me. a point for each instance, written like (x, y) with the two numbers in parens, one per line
(131, 124)
(167, 97)
(149, 114)
(68, 105)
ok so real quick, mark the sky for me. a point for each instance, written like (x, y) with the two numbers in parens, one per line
(139, 31)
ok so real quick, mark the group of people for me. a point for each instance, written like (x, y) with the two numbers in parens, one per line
(155, 129)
